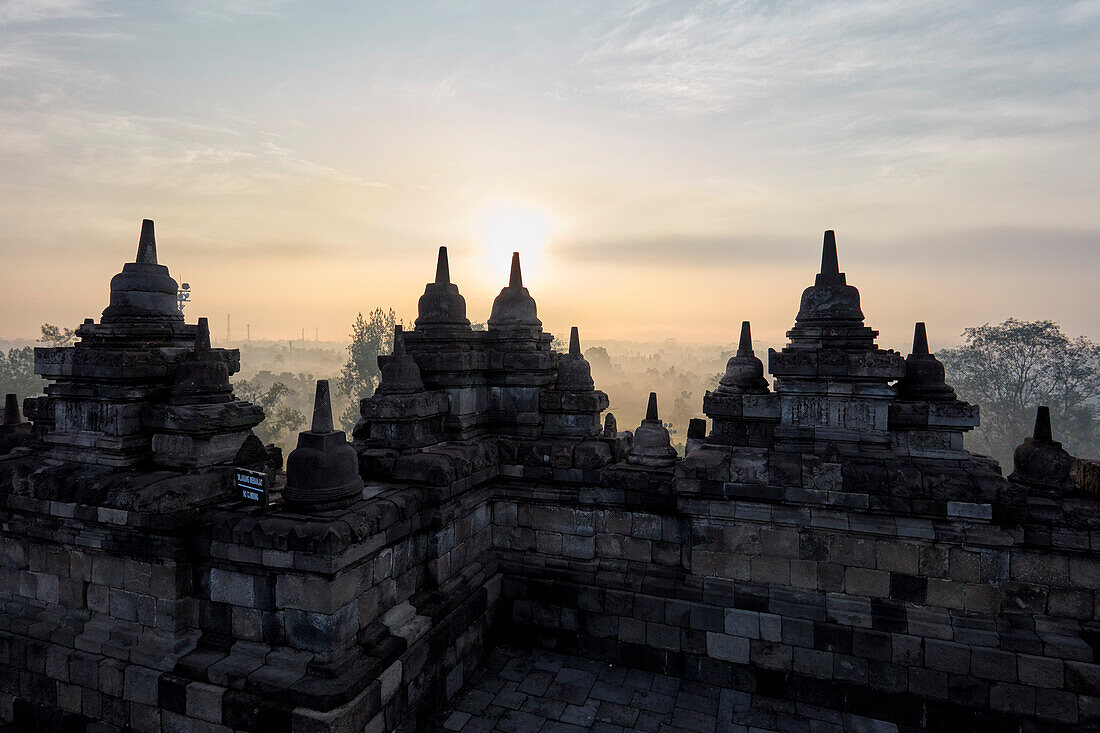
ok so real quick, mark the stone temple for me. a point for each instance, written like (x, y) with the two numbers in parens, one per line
(487, 551)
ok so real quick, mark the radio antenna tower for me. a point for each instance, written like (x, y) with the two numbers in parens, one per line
(183, 295)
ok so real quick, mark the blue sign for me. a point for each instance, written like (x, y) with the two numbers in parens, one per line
(252, 485)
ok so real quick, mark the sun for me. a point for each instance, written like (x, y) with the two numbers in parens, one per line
(505, 228)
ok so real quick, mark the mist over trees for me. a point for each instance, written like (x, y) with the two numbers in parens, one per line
(1010, 368)
(281, 397)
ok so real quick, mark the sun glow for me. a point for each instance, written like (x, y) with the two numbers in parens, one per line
(511, 227)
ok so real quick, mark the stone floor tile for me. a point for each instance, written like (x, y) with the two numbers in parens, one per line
(536, 682)
(456, 720)
(533, 691)
(583, 715)
(611, 712)
(543, 706)
(603, 690)
(553, 726)
(515, 721)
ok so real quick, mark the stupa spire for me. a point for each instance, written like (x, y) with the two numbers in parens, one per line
(574, 342)
(651, 408)
(322, 409)
(147, 244)
(515, 280)
(398, 340)
(920, 340)
(829, 263)
(11, 410)
(744, 346)
(442, 267)
(202, 335)
(1042, 431)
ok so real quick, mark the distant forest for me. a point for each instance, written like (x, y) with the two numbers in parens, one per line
(1007, 369)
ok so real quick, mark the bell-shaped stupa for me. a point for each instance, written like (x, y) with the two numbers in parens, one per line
(1040, 462)
(514, 308)
(442, 306)
(323, 470)
(652, 443)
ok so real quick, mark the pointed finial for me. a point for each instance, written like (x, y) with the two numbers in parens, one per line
(651, 409)
(744, 346)
(398, 340)
(202, 335)
(322, 409)
(442, 267)
(516, 278)
(1042, 425)
(920, 340)
(697, 428)
(574, 342)
(11, 410)
(829, 263)
(147, 245)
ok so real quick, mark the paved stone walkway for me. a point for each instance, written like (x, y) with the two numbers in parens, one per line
(522, 690)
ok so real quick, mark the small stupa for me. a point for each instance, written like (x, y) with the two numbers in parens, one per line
(572, 408)
(742, 408)
(744, 371)
(514, 308)
(442, 306)
(924, 374)
(652, 444)
(401, 413)
(323, 471)
(1040, 462)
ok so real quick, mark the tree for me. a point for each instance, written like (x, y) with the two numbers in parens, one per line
(370, 337)
(598, 358)
(1010, 368)
(17, 373)
(55, 336)
(280, 420)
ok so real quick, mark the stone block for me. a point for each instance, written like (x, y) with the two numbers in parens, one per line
(580, 548)
(947, 656)
(993, 664)
(864, 582)
(1014, 699)
(726, 647)
(204, 701)
(1040, 671)
(742, 623)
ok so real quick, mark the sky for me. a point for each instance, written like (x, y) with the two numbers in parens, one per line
(666, 168)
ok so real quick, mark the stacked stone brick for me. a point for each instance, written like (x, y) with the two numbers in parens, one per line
(829, 541)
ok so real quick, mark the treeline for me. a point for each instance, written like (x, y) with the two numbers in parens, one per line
(1008, 369)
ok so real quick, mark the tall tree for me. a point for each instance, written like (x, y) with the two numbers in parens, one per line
(281, 421)
(370, 337)
(1010, 368)
(55, 336)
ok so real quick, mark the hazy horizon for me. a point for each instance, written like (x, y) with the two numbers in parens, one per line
(666, 169)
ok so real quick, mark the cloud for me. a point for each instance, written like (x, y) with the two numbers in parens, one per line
(1021, 248)
(857, 69)
(232, 10)
(79, 123)
(38, 11)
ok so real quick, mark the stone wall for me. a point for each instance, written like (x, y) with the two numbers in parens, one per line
(943, 624)
(238, 618)
(96, 609)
